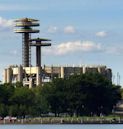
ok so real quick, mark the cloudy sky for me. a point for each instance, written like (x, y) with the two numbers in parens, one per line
(82, 32)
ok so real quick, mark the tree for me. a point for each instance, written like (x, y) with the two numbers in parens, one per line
(22, 99)
(55, 94)
(84, 94)
(41, 104)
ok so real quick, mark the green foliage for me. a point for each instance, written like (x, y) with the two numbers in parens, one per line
(86, 94)
(122, 93)
(23, 98)
(41, 104)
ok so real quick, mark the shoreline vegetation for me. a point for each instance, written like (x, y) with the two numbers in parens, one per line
(89, 94)
(65, 120)
(62, 101)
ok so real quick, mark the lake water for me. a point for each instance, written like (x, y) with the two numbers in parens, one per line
(75, 126)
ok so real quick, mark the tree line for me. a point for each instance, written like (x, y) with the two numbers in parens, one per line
(86, 94)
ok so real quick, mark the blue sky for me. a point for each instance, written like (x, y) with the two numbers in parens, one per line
(82, 32)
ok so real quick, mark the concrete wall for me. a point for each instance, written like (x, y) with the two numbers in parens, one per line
(33, 75)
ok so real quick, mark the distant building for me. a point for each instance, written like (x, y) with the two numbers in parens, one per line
(34, 76)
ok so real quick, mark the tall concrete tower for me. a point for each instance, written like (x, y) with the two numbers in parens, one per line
(38, 43)
(25, 27)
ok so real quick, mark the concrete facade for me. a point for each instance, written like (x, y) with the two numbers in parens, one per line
(34, 76)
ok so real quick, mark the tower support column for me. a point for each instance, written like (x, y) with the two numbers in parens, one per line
(38, 56)
(25, 50)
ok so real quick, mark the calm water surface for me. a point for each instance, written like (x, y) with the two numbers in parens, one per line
(112, 126)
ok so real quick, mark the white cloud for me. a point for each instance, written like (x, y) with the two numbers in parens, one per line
(5, 23)
(66, 30)
(71, 47)
(101, 34)
(69, 30)
(52, 29)
(82, 46)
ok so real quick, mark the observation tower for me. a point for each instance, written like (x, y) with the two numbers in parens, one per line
(25, 27)
(38, 43)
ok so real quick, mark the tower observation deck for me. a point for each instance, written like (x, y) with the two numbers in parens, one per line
(25, 27)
